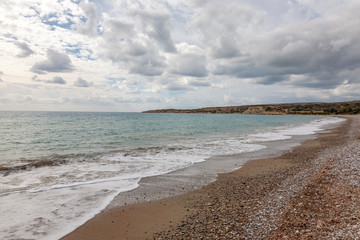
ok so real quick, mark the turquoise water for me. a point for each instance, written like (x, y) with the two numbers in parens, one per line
(58, 169)
(34, 135)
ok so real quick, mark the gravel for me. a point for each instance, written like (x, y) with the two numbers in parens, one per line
(316, 197)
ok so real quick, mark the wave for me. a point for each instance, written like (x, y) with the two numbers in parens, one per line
(31, 164)
(55, 187)
(70, 185)
(186, 150)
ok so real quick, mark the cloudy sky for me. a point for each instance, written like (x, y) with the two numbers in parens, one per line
(133, 55)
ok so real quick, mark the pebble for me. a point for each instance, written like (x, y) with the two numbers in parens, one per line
(317, 198)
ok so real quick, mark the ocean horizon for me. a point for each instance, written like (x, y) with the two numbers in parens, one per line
(59, 169)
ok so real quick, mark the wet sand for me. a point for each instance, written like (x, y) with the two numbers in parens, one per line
(256, 201)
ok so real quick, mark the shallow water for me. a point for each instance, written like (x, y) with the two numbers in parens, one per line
(59, 169)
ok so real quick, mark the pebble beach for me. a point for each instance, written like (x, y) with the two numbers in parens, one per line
(310, 192)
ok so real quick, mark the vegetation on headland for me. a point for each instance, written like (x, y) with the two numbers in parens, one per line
(343, 108)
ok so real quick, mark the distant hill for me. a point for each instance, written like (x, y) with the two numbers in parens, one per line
(335, 108)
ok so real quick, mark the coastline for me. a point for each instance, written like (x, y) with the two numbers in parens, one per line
(317, 108)
(186, 213)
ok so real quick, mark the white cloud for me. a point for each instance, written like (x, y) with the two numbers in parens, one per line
(188, 52)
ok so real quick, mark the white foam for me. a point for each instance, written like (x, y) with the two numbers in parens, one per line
(51, 201)
(52, 214)
(286, 132)
(265, 137)
(312, 127)
(57, 199)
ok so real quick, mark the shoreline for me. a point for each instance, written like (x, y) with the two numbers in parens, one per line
(143, 220)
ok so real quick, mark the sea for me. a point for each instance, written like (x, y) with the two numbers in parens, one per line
(59, 169)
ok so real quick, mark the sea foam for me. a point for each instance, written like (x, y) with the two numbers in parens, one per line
(51, 200)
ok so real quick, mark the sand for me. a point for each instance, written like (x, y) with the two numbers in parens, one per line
(311, 192)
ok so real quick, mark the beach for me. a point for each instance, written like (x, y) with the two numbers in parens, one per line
(54, 180)
(204, 119)
(310, 192)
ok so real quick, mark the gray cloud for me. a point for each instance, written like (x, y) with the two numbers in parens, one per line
(225, 48)
(139, 42)
(90, 27)
(305, 54)
(222, 26)
(157, 26)
(148, 66)
(55, 80)
(268, 80)
(198, 83)
(188, 83)
(136, 49)
(198, 3)
(123, 30)
(126, 47)
(24, 48)
(189, 64)
(177, 87)
(55, 62)
(82, 83)
(1, 73)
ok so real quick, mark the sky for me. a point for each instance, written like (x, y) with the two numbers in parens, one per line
(130, 56)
